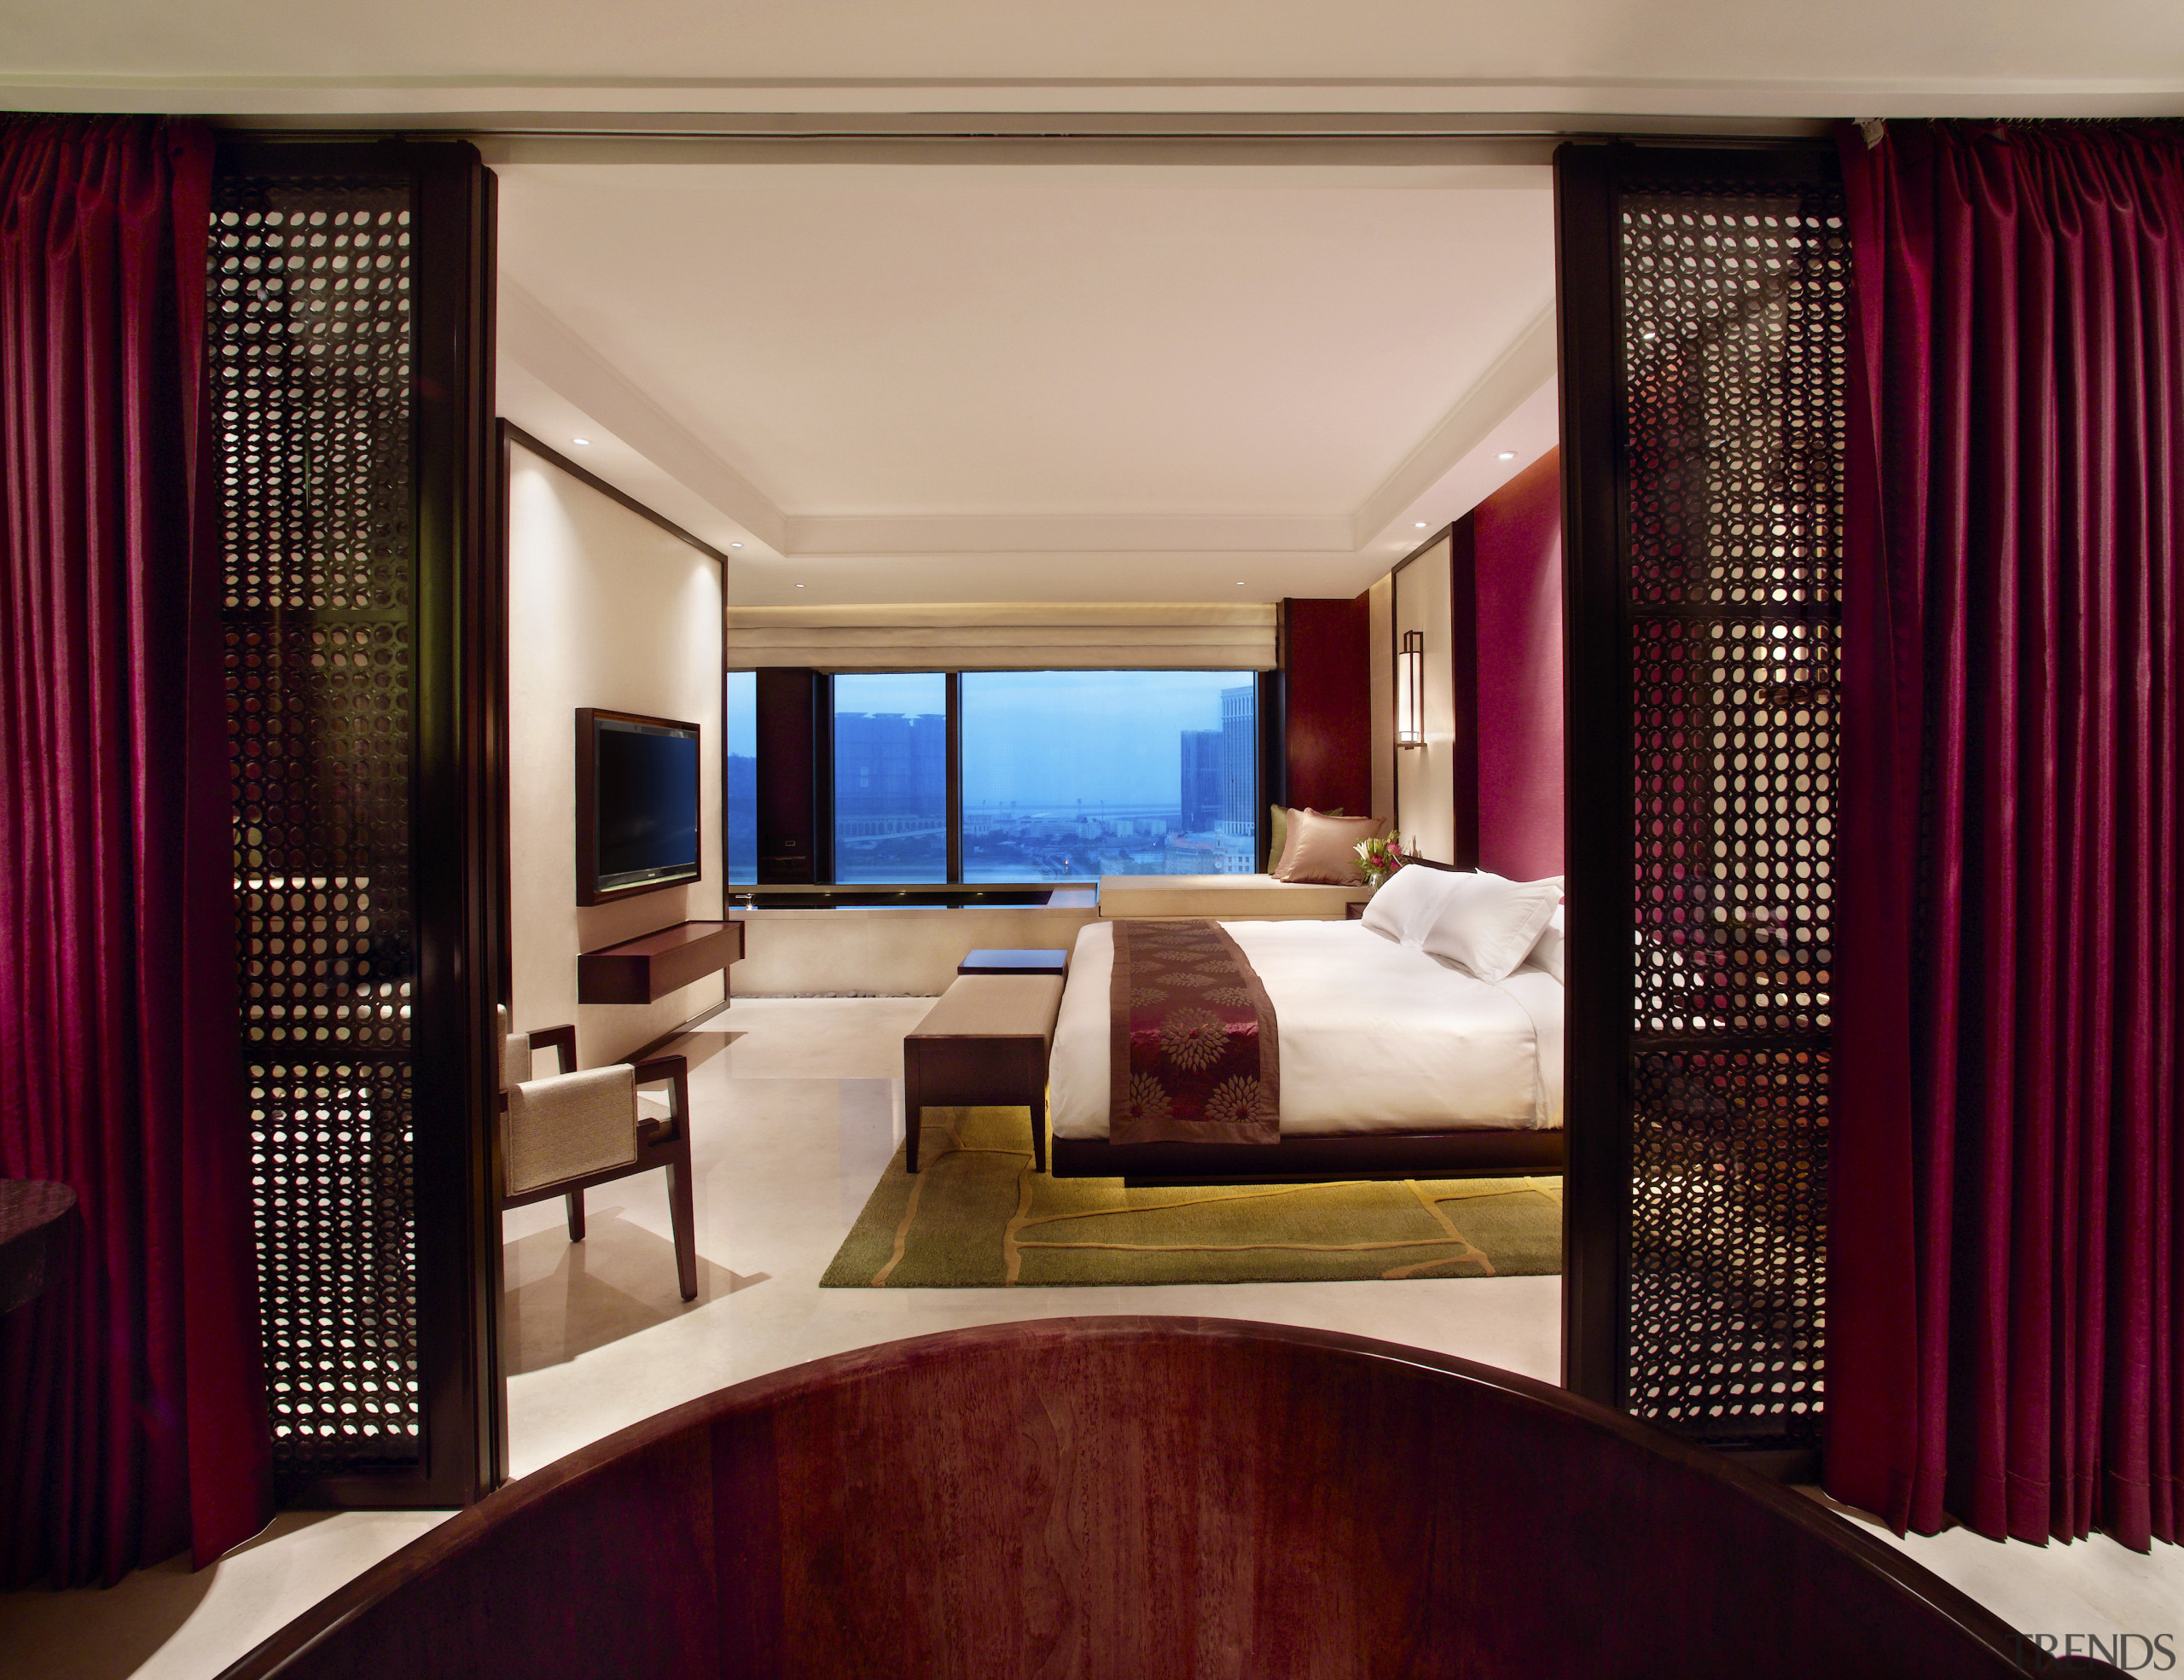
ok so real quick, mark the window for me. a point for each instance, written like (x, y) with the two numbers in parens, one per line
(739, 781)
(1071, 775)
(890, 777)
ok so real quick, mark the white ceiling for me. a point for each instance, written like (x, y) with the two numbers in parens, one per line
(1053, 381)
(1747, 57)
(937, 342)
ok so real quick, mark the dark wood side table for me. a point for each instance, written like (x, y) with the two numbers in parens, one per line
(647, 968)
(34, 1215)
(1353, 911)
(1055, 963)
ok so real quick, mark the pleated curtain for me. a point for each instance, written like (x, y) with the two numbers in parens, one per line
(132, 1415)
(2005, 1323)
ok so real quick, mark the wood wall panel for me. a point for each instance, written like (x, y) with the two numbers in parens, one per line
(1328, 664)
(788, 789)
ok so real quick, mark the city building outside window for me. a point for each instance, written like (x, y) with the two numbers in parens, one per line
(890, 777)
(1071, 774)
(1067, 776)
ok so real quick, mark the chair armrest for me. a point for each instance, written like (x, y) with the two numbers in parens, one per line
(675, 1070)
(564, 1042)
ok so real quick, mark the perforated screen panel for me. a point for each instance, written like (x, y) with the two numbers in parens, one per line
(1734, 345)
(311, 360)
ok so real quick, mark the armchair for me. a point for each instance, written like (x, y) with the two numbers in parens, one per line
(562, 1134)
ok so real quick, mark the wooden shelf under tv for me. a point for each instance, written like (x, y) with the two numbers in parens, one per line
(645, 969)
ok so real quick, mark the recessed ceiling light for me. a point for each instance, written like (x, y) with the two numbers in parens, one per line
(1506, 455)
(581, 443)
(735, 545)
(799, 586)
(1421, 525)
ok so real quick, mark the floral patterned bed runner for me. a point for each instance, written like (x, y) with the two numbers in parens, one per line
(1196, 1058)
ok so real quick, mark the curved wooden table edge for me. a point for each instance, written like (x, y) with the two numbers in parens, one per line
(1904, 1574)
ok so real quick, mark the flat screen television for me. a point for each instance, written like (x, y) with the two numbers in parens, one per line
(636, 805)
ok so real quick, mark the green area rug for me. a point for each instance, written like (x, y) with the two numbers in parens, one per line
(978, 1216)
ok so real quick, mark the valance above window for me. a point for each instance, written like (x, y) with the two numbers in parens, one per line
(1029, 636)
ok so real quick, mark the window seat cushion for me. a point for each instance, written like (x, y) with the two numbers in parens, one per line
(1257, 897)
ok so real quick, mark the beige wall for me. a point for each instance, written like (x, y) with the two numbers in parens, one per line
(1426, 776)
(605, 609)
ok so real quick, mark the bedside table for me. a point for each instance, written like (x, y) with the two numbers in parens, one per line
(1353, 912)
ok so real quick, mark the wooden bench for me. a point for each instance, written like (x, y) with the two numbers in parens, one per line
(984, 1043)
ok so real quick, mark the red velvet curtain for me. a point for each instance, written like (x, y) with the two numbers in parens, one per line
(2006, 1327)
(132, 1415)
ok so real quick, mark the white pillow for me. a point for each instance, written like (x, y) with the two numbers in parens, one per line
(1488, 925)
(1404, 905)
(1547, 950)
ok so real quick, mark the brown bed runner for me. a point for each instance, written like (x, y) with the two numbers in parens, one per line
(1194, 1056)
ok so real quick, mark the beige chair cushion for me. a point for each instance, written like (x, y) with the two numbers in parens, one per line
(568, 1127)
(995, 1006)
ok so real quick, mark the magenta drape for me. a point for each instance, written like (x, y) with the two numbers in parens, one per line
(132, 1416)
(2005, 1329)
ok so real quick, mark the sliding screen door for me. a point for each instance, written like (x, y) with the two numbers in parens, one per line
(1705, 300)
(351, 356)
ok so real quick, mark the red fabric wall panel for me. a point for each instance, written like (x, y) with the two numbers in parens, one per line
(1330, 727)
(1518, 563)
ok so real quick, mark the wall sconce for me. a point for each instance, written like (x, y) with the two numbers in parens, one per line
(1410, 690)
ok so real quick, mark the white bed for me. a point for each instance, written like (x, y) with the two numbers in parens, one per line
(1376, 1037)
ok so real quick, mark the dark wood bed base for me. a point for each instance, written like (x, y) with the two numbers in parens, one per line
(1310, 1160)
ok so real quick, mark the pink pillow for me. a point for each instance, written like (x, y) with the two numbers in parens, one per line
(1324, 848)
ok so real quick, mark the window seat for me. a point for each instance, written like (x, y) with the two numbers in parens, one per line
(1236, 897)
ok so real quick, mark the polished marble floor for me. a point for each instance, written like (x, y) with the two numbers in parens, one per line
(799, 1107)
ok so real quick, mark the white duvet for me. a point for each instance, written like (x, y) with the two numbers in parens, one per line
(1375, 1035)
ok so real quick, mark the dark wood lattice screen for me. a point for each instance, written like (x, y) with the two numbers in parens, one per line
(311, 358)
(1733, 324)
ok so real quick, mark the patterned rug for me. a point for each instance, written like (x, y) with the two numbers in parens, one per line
(978, 1216)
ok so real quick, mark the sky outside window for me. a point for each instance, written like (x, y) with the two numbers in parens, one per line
(740, 785)
(1070, 775)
